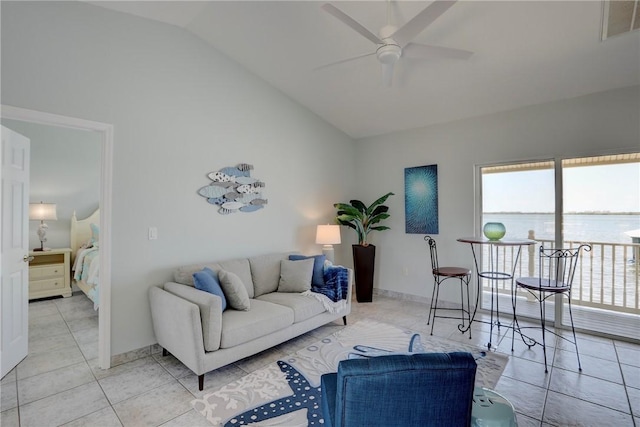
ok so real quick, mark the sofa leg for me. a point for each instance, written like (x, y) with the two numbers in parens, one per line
(344, 319)
(201, 382)
(164, 352)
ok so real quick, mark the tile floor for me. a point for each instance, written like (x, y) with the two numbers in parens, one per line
(59, 383)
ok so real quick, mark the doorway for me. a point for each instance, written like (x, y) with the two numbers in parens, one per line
(105, 133)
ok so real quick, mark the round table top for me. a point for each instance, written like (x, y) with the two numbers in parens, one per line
(502, 242)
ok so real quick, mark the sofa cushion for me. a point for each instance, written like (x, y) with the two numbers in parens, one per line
(264, 318)
(184, 274)
(234, 290)
(241, 268)
(265, 270)
(295, 276)
(318, 267)
(207, 280)
(304, 307)
(210, 312)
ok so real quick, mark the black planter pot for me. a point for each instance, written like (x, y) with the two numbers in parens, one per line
(363, 265)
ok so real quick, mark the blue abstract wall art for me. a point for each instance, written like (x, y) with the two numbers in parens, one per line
(421, 199)
(233, 189)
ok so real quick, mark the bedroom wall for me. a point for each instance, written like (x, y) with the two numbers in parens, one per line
(602, 123)
(65, 170)
(180, 109)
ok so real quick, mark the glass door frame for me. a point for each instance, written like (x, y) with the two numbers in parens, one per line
(559, 167)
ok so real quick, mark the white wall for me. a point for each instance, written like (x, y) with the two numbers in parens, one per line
(65, 170)
(180, 110)
(602, 123)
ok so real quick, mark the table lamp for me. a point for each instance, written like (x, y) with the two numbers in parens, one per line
(41, 212)
(328, 235)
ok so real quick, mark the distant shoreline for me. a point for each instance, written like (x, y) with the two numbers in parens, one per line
(567, 213)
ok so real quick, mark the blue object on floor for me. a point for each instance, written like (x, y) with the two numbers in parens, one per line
(490, 409)
(417, 390)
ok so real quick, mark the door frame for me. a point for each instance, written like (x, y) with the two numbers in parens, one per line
(106, 178)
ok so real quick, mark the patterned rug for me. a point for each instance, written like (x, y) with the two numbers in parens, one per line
(287, 392)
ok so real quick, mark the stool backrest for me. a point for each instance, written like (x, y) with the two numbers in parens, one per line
(433, 252)
(557, 267)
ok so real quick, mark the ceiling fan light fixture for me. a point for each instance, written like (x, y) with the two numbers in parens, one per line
(389, 53)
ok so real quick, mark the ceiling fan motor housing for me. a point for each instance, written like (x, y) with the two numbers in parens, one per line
(389, 53)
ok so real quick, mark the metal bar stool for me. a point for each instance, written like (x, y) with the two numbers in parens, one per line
(440, 275)
(556, 270)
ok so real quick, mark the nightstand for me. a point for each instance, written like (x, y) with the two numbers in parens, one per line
(50, 273)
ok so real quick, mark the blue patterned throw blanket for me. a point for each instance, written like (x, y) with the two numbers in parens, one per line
(333, 294)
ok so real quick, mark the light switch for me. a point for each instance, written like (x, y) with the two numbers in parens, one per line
(153, 233)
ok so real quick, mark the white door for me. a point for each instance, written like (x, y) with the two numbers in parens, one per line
(14, 297)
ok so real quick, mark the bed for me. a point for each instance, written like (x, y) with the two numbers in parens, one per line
(85, 259)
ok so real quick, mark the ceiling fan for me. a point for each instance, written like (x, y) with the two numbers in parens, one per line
(394, 43)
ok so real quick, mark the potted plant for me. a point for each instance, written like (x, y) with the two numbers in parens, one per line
(363, 219)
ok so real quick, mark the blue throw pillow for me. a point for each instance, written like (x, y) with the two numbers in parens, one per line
(318, 267)
(207, 280)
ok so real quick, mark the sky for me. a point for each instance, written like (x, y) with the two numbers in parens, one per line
(613, 188)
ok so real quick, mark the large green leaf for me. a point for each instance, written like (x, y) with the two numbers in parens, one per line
(358, 205)
(380, 209)
(347, 209)
(380, 201)
(376, 219)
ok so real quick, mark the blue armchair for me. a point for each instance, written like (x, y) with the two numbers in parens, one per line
(422, 389)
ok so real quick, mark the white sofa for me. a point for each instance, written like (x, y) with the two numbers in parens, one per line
(191, 325)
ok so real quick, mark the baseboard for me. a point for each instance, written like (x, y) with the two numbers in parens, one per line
(414, 298)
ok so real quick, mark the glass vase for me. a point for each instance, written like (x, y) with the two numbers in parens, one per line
(494, 230)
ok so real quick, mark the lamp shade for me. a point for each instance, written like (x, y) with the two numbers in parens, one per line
(328, 235)
(42, 211)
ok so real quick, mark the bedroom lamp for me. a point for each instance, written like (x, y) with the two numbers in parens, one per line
(41, 212)
(328, 235)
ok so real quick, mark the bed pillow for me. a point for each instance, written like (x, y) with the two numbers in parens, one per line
(95, 234)
(234, 290)
(206, 280)
(317, 279)
(295, 276)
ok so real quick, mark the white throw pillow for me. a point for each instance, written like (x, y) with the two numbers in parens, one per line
(295, 276)
(234, 290)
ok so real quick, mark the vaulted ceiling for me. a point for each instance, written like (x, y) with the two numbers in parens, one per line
(524, 53)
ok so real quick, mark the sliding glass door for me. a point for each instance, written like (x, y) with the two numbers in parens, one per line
(563, 203)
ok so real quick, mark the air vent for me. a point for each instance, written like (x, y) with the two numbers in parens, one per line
(619, 17)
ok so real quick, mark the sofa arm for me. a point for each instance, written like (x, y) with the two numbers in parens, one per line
(178, 328)
(210, 312)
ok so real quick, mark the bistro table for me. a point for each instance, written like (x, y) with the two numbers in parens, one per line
(493, 273)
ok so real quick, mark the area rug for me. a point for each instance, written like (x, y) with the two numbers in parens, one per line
(287, 392)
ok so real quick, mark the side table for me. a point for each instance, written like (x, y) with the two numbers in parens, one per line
(50, 273)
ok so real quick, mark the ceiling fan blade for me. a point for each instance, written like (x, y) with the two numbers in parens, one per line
(346, 19)
(331, 64)
(423, 51)
(387, 74)
(411, 29)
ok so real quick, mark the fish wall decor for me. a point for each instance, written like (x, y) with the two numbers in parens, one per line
(233, 190)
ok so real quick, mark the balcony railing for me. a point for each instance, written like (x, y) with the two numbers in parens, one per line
(607, 277)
